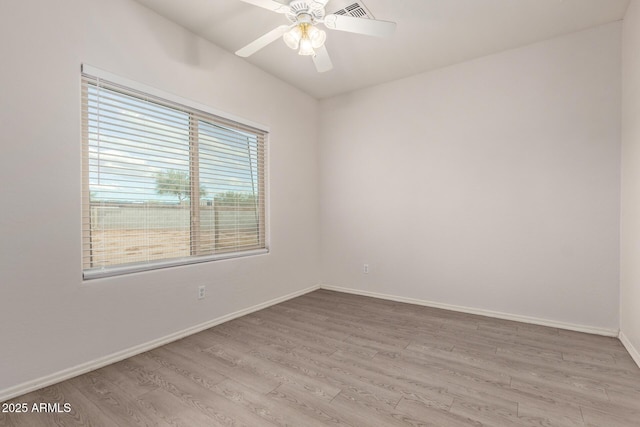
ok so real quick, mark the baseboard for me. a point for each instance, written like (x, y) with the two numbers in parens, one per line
(635, 354)
(481, 312)
(83, 368)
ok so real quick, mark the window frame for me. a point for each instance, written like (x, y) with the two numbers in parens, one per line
(173, 101)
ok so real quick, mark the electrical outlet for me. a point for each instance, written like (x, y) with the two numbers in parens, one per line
(201, 291)
(365, 269)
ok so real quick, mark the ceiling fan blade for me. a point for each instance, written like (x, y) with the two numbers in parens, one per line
(270, 5)
(322, 60)
(263, 41)
(370, 27)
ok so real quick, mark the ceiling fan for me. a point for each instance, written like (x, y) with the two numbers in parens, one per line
(303, 34)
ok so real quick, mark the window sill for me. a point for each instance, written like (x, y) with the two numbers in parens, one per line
(99, 273)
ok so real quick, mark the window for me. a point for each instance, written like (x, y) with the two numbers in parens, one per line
(165, 183)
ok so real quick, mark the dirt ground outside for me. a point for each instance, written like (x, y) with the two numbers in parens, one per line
(112, 247)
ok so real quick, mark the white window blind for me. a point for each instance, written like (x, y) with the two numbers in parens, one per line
(166, 184)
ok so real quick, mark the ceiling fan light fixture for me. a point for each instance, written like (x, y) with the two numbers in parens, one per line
(310, 38)
(317, 37)
(306, 47)
(292, 37)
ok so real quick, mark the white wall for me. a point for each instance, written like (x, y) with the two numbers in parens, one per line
(630, 227)
(492, 184)
(49, 319)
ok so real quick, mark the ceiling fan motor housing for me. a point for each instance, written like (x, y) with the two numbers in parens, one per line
(313, 10)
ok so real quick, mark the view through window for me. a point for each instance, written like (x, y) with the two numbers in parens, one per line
(165, 184)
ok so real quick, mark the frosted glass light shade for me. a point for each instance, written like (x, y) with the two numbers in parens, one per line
(292, 37)
(317, 37)
(306, 47)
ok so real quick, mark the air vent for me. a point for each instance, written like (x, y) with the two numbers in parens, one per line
(357, 10)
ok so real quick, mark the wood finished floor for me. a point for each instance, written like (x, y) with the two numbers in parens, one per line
(329, 358)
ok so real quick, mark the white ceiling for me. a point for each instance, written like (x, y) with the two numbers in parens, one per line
(430, 34)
